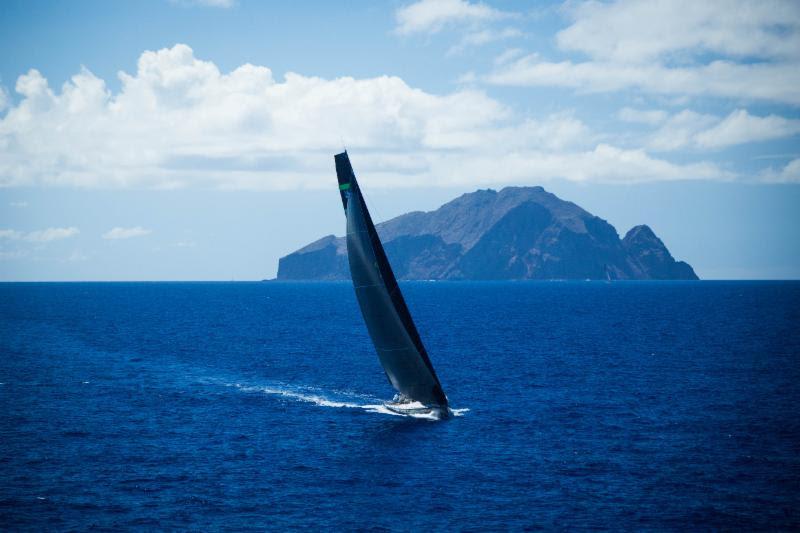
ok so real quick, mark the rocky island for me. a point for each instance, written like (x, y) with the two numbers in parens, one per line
(515, 234)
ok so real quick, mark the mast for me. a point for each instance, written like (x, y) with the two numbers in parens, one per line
(391, 328)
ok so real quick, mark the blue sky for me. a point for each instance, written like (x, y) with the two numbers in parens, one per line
(194, 140)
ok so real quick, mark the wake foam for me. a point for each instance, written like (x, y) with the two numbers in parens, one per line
(343, 399)
(287, 392)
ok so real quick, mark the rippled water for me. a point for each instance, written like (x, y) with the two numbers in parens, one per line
(258, 405)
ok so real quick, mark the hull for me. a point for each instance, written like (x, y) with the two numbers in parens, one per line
(417, 409)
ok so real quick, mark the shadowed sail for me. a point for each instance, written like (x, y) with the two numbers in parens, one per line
(386, 315)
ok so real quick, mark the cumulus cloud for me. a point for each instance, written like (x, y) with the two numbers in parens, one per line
(39, 236)
(431, 16)
(732, 49)
(178, 122)
(125, 233)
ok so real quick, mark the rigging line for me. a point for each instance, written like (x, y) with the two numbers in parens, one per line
(373, 209)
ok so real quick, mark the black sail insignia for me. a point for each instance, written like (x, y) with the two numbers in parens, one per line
(386, 315)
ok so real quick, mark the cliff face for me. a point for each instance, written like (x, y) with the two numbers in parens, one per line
(649, 252)
(517, 233)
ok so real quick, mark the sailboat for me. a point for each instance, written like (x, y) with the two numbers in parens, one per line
(391, 328)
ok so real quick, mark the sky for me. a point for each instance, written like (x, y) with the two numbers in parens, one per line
(194, 140)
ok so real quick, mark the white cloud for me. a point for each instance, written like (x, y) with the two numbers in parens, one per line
(733, 49)
(702, 131)
(603, 163)
(39, 236)
(680, 130)
(556, 132)
(125, 233)
(741, 127)
(642, 116)
(483, 36)
(476, 22)
(635, 31)
(51, 234)
(4, 99)
(431, 16)
(779, 82)
(788, 174)
(20, 205)
(508, 55)
(179, 122)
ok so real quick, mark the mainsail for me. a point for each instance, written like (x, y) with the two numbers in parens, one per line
(389, 323)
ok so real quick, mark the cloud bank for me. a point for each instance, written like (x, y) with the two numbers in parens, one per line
(180, 122)
(734, 49)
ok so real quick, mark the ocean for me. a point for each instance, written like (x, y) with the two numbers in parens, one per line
(252, 406)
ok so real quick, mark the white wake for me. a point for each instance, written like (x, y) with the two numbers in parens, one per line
(349, 401)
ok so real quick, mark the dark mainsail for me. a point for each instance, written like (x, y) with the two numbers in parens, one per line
(389, 323)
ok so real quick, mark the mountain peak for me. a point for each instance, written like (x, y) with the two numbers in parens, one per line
(641, 232)
(514, 233)
(650, 253)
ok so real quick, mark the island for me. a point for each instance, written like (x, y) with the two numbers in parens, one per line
(516, 233)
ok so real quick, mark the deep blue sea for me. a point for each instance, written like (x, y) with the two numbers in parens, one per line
(239, 406)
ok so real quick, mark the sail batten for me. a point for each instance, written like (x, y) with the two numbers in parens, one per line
(388, 320)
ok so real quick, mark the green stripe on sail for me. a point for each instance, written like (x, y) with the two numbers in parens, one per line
(344, 186)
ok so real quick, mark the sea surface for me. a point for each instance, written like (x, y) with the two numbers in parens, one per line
(252, 406)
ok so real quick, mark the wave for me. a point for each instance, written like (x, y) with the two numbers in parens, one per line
(343, 399)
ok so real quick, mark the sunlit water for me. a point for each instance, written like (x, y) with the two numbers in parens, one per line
(260, 405)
